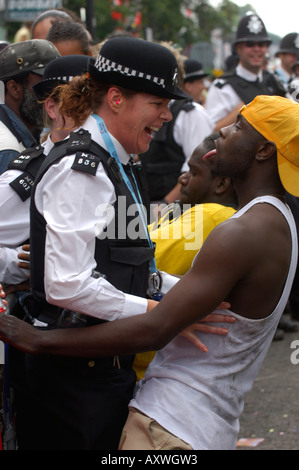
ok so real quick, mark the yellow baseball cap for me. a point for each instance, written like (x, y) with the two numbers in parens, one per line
(277, 119)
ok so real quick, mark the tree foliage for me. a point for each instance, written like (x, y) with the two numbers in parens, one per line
(180, 21)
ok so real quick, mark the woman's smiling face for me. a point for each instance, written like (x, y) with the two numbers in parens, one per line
(139, 117)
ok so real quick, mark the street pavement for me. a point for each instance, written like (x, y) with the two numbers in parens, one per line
(271, 412)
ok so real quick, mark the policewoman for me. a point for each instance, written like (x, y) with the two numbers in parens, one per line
(288, 54)
(195, 80)
(17, 181)
(91, 256)
(16, 184)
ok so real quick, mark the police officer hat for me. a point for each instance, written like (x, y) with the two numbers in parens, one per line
(193, 70)
(27, 56)
(289, 44)
(59, 71)
(252, 28)
(139, 65)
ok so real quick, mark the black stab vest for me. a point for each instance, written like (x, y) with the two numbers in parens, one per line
(247, 90)
(164, 159)
(124, 261)
(28, 162)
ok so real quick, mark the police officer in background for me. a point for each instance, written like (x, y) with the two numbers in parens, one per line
(17, 181)
(16, 184)
(195, 80)
(21, 120)
(227, 95)
(287, 53)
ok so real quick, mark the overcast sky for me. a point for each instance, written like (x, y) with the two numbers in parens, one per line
(280, 16)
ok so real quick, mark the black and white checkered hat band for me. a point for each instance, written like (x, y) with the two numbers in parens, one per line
(105, 65)
(64, 78)
(194, 74)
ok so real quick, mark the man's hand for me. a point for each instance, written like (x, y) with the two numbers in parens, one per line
(2, 295)
(19, 333)
(23, 286)
(202, 326)
(25, 256)
(151, 304)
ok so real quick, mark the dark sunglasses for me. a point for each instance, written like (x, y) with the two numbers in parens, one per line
(253, 44)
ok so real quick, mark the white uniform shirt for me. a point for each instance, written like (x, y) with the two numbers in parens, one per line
(14, 226)
(72, 204)
(190, 129)
(221, 101)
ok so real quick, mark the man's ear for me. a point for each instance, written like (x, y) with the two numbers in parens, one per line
(187, 87)
(15, 89)
(223, 184)
(266, 150)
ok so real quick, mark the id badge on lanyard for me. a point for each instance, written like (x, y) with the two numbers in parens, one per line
(155, 277)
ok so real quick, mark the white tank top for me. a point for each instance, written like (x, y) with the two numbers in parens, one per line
(198, 396)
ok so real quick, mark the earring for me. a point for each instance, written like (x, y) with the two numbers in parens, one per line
(117, 102)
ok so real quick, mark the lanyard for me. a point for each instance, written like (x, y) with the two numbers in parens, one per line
(278, 72)
(137, 198)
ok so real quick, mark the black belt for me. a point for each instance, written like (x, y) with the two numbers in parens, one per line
(55, 317)
(91, 365)
(52, 316)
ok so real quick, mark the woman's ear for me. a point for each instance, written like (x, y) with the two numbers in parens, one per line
(266, 150)
(51, 108)
(115, 98)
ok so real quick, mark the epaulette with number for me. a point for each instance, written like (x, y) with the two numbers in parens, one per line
(220, 82)
(85, 161)
(28, 162)
(88, 155)
(175, 107)
(188, 105)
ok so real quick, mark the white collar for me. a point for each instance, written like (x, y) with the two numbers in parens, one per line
(48, 144)
(247, 75)
(91, 125)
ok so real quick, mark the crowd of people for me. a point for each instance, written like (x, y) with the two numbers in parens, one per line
(148, 236)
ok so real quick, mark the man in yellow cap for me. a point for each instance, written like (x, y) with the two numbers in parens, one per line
(190, 399)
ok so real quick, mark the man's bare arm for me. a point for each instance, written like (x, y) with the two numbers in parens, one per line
(197, 294)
